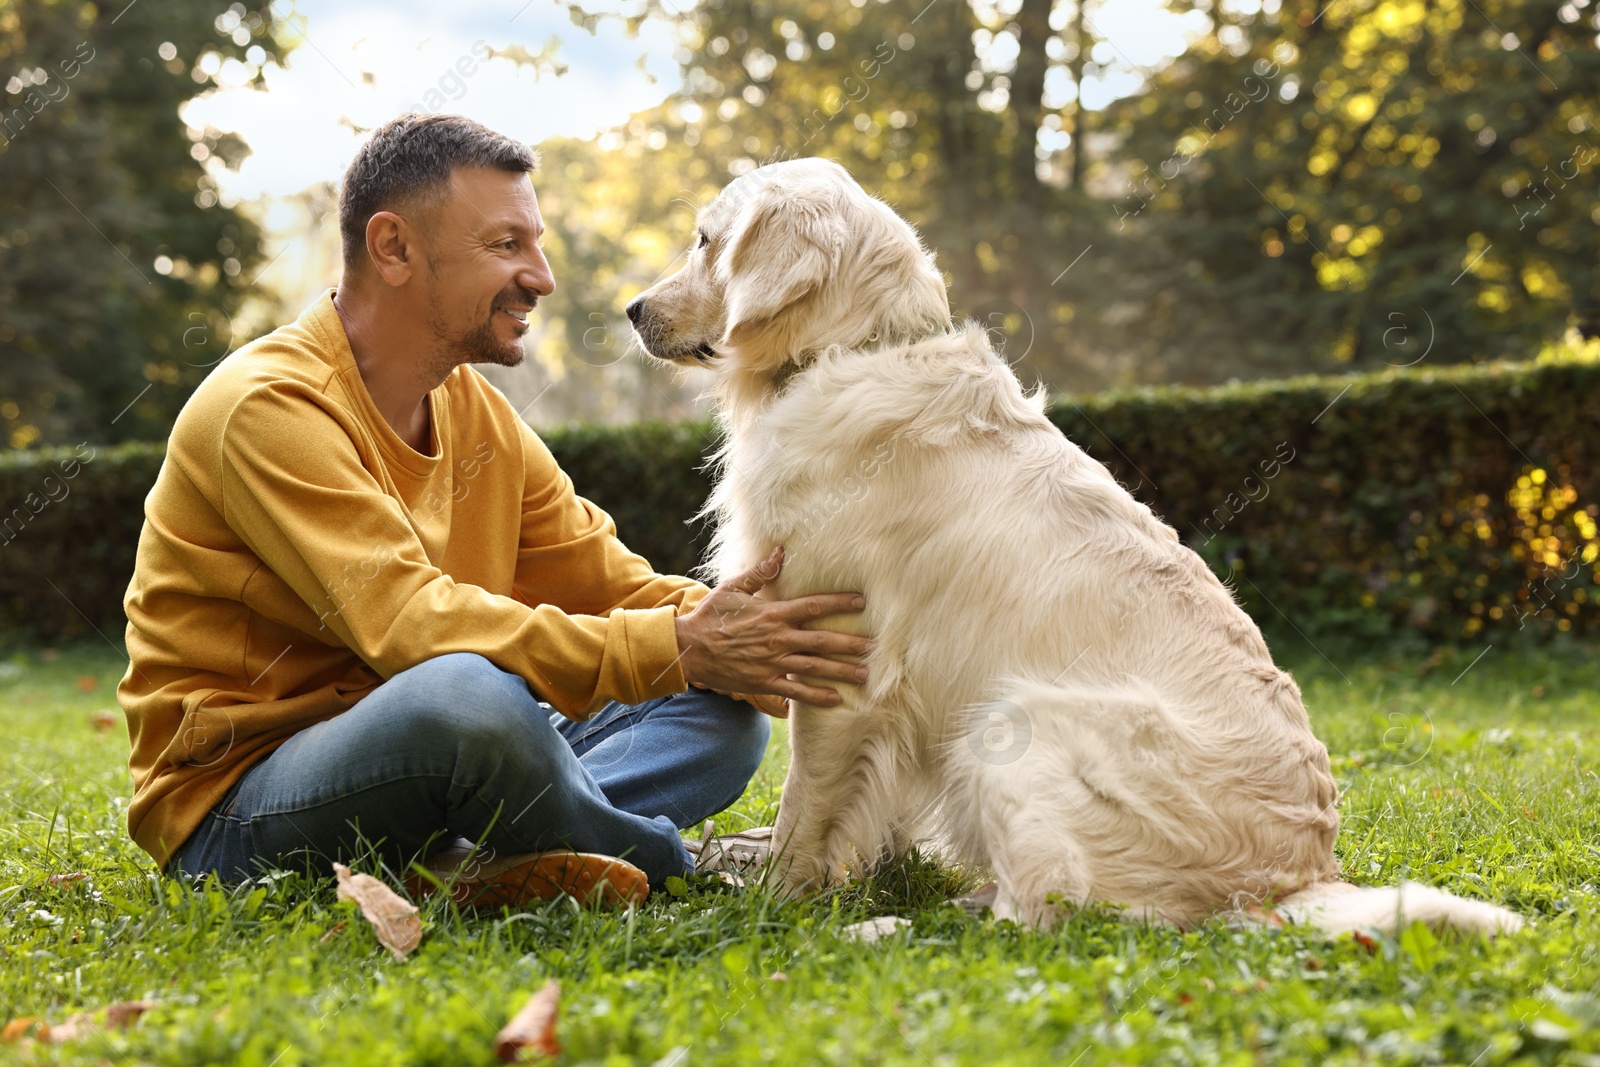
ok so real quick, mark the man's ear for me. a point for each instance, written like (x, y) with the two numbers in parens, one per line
(784, 247)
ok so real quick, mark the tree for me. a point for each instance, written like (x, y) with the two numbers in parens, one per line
(937, 108)
(1347, 184)
(120, 272)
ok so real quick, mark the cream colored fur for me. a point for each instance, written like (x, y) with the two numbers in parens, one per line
(1060, 690)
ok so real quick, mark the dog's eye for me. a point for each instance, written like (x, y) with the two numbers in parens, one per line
(703, 241)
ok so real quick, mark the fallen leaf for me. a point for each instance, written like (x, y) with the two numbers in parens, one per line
(393, 919)
(533, 1028)
(124, 1012)
(777, 976)
(88, 683)
(103, 720)
(1365, 942)
(118, 1016)
(17, 1029)
(67, 877)
(333, 931)
(874, 929)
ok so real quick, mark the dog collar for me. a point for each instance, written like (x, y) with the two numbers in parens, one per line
(799, 362)
(791, 367)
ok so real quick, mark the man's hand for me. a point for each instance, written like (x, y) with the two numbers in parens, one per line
(733, 642)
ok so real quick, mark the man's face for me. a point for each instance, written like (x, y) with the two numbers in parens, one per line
(486, 271)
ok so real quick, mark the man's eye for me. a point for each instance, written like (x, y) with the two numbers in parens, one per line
(704, 240)
(508, 244)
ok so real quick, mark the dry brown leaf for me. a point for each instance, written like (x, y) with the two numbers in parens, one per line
(88, 682)
(103, 720)
(66, 877)
(17, 1029)
(533, 1029)
(393, 919)
(118, 1016)
(333, 931)
(124, 1012)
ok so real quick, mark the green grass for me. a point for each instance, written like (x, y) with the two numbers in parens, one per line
(1486, 786)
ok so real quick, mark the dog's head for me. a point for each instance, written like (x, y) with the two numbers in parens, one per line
(790, 257)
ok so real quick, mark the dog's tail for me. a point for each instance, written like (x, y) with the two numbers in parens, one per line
(1339, 907)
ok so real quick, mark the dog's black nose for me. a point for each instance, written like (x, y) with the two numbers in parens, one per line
(635, 309)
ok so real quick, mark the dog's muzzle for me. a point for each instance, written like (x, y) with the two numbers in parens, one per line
(649, 330)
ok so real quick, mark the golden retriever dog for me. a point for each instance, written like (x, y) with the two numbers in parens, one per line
(1059, 689)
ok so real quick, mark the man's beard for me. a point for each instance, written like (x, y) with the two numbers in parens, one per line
(479, 344)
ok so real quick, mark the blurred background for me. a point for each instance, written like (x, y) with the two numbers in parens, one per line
(1124, 192)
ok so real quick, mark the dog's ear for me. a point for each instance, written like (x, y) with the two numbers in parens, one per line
(784, 245)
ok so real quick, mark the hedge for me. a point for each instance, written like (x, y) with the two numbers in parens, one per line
(1444, 504)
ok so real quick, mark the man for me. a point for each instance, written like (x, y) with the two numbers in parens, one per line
(363, 584)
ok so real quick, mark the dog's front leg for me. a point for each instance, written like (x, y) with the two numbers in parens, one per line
(799, 846)
(842, 802)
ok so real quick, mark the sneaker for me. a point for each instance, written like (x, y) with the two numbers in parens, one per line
(735, 854)
(975, 902)
(587, 877)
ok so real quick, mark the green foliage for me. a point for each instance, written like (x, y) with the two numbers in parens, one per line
(1453, 505)
(68, 534)
(1355, 182)
(98, 179)
(1498, 803)
(897, 95)
(1310, 187)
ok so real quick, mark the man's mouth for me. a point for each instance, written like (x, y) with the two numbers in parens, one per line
(520, 315)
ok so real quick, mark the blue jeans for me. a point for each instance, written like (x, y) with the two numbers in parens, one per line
(456, 747)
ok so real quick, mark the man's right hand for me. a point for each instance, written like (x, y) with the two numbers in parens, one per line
(736, 643)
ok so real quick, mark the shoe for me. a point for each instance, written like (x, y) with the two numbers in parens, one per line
(975, 902)
(588, 877)
(735, 854)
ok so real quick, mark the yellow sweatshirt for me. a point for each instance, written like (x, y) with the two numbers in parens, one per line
(296, 553)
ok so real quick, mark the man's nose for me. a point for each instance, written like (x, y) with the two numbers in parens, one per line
(537, 275)
(635, 309)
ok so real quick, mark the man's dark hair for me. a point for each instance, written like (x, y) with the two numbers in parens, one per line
(406, 163)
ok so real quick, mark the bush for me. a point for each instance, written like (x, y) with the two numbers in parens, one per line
(68, 531)
(1437, 503)
(1440, 503)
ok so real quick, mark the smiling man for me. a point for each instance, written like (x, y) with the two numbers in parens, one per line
(369, 611)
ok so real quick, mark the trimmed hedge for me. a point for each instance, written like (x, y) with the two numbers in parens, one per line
(1440, 503)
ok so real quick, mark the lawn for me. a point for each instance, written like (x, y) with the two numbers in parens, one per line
(1481, 782)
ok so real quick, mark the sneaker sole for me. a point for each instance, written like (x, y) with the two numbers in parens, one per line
(588, 877)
